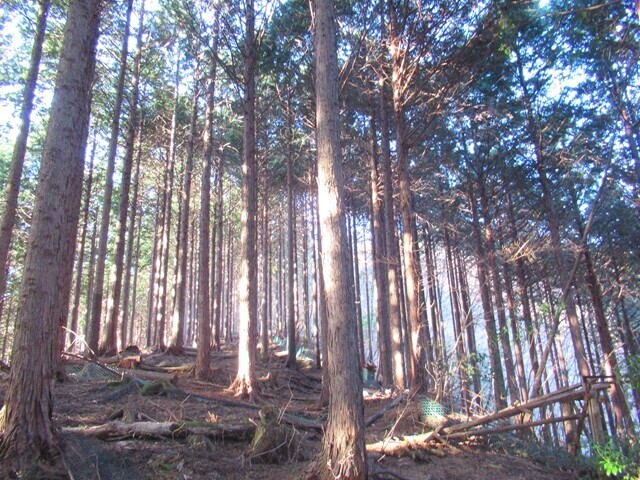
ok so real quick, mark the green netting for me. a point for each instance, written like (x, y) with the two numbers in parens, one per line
(94, 371)
(431, 408)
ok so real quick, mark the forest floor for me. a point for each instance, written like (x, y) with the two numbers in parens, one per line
(84, 401)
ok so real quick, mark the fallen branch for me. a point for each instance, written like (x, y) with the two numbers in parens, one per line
(566, 394)
(509, 428)
(118, 430)
(387, 408)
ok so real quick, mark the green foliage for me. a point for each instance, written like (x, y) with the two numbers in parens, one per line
(618, 460)
(632, 374)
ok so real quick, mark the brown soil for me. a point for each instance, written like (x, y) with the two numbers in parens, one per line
(81, 403)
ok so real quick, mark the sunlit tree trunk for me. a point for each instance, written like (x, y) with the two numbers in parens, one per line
(391, 246)
(343, 454)
(28, 435)
(245, 383)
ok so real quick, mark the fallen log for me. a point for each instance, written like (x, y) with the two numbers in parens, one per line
(118, 430)
(147, 375)
(177, 369)
(410, 445)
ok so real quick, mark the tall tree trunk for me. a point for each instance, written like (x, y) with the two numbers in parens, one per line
(163, 272)
(417, 354)
(228, 334)
(323, 314)
(536, 138)
(305, 271)
(343, 454)
(291, 244)
(521, 278)
(368, 306)
(28, 435)
(517, 346)
(499, 390)
(155, 267)
(98, 285)
(379, 264)
(621, 410)
(391, 246)
(433, 298)
(75, 311)
(356, 282)
(245, 384)
(110, 345)
(470, 330)
(218, 280)
(317, 293)
(20, 148)
(202, 366)
(179, 308)
(126, 329)
(266, 265)
(91, 273)
(456, 300)
(494, 271)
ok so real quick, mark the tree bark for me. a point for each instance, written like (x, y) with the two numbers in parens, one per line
(75, 311)
(494, 271)
(110, 345)
(126, 330)
(291, 244)
(245, 384)
(202, 366)
(379, 255)
(93, 336)
(20, 148)
(499, 390)
(343, 454)
(28, 436)
(178, 317)
(218, 280)
(391, 246)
